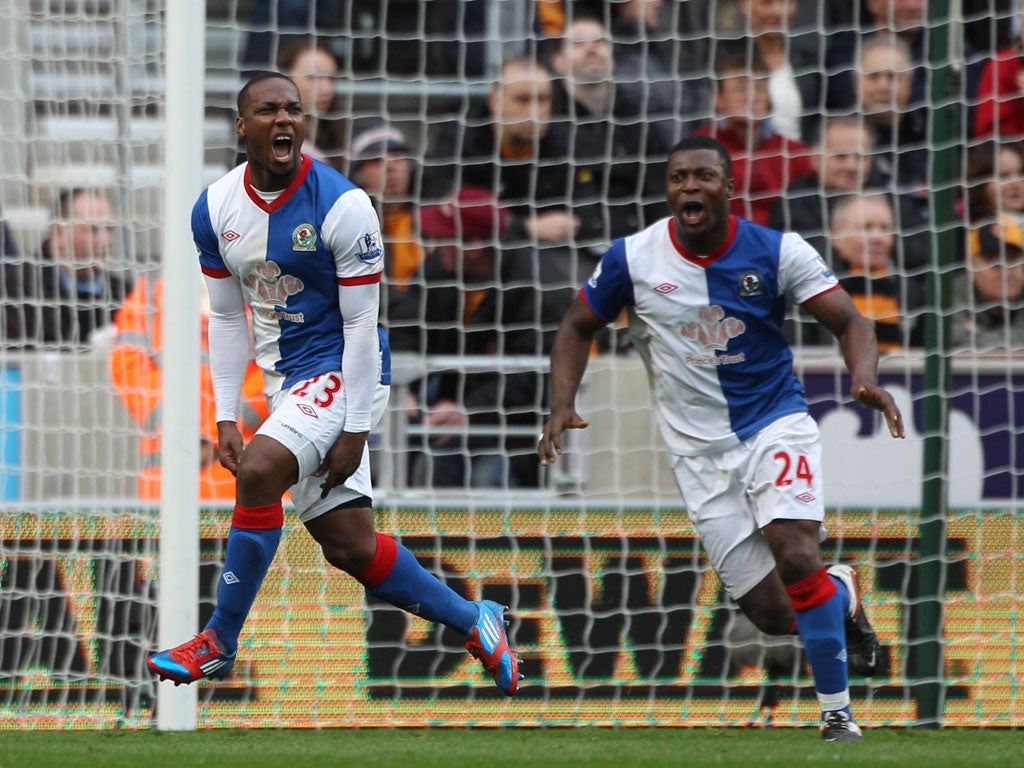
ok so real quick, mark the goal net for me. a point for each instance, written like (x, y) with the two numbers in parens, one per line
(900, 145)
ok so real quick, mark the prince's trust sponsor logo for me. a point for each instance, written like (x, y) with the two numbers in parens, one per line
(274, 288)
(713, 331)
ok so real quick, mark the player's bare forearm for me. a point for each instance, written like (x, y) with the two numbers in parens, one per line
(857, 341)
(342, 460)
(860, 351)
(569, 355)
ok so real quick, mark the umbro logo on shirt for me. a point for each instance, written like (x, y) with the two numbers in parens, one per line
(230, 235)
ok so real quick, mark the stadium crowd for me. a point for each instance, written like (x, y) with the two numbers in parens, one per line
(494, 222)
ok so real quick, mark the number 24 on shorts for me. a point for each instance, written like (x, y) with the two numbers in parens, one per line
(788, 469)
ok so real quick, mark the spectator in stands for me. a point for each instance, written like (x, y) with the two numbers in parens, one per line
(381, 164)
(843, 165)
(1000, 109)
(988, 25)
(617, 157)
(472, 298)
(849, 29)
(763, 161)
(898, 125)
(465, 20)
(278, 23)
(313, 67)
(863, 233)
(136, 370)
(506, 145)
(550, 17)
(792, 60)
(67, 297)
(995, 182)
(648, 55)
(991, 293)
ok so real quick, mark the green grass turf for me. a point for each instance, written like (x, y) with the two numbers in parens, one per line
(495, 748)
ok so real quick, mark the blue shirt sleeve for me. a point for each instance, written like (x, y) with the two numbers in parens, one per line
(205, 239)
(610, 289)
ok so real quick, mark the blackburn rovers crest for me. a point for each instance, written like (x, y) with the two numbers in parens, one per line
(751, 283)
(304, 238)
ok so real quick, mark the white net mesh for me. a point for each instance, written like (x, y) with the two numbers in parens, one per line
(618, 618)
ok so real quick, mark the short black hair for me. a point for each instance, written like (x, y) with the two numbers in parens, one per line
(705, 142)
(259, 77)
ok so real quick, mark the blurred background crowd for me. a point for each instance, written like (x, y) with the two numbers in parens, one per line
(503, 166)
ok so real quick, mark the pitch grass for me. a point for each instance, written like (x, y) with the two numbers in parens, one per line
(522, 748)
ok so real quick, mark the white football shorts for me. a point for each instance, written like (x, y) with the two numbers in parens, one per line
(732, 495)
(306, 420)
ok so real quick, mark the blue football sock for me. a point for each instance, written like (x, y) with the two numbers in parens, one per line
(412, 588)
(249, 555)
(823, 633)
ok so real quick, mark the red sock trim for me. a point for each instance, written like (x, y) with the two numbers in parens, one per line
(383, 561)
(817, 589)
(262, 518)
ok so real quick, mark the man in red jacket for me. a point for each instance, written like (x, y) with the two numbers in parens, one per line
(1000, 110)
(763, 162)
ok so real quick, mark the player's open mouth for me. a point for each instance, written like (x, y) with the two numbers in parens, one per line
(282, 147)
(692, 213)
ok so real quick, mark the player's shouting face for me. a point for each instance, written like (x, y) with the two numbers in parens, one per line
(698, 186)
(273, 124)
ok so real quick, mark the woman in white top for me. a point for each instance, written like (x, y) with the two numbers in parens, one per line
(791, 56)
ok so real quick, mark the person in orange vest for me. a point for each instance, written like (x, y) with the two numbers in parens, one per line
(137, 375)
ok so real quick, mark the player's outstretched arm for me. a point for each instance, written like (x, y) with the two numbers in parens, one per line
(569, 355)
(857, 340)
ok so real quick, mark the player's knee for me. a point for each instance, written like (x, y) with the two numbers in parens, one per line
(796, 549)
(261, 476)
(768, 606)
(780, 623)
(346, 536)
(349, 555)
(772, 619)
(797, 561)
